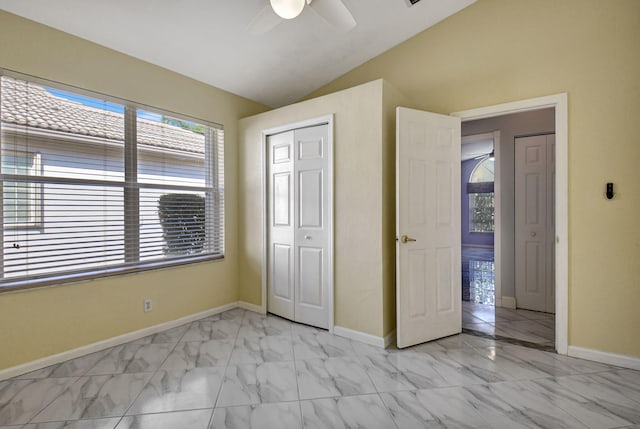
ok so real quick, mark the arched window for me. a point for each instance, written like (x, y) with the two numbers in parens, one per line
(481, 197)
(483, 172)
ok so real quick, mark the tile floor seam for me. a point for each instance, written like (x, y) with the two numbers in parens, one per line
(124, 414)
(119, 421)
(569, 413)
(386, 408)
(592, 375)
(51, 401)
(157, 412)
(291, 401)
(483, 418)
(183, 334)
(224, 374)
(358, 358)
(302, 425)
(195, 366)
(295, 369)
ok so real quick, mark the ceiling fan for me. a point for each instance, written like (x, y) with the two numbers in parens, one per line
(332, 11)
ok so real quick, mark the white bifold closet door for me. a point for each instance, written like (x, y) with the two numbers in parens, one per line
(298, 272)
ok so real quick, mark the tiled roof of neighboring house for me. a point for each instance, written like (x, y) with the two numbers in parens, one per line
(25, 103)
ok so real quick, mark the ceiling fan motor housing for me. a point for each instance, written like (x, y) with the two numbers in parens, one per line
(288, 9)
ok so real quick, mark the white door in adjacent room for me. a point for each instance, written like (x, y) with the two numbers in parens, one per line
(298, 258)
(428, 280)
(534, 222)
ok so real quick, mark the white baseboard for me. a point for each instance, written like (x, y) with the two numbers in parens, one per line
(251, 307)
(624, 361)
(390, 339)
(372, 340)
(110, 342)
(508, 302)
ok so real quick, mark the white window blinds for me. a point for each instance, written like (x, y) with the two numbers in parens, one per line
(93, 187)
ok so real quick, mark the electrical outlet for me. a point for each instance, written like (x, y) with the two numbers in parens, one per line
(148, 305)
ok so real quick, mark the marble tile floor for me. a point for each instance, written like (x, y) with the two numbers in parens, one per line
(529, 328)
(243, 370)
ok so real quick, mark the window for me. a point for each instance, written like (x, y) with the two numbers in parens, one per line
(481, 197)
(481, 212)
(21, 198)
(482, 282)
(94, 187)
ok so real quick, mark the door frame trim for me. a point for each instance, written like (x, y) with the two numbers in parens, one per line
(321, 120)
(560, 103)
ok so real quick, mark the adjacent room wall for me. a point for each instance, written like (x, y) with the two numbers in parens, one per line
(498, 51)
(39, 323)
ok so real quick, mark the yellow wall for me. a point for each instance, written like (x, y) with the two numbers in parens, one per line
(391, 98)
(39, 323)
(504, 50)
(358, 201)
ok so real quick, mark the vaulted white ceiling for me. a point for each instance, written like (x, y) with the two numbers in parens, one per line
(208, 40)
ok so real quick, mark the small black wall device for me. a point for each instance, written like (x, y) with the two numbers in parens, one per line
(609, 190)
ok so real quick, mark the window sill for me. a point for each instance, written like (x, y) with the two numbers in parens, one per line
(7, 286)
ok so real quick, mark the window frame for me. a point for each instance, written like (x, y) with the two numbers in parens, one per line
(35, 211)
(214, 191)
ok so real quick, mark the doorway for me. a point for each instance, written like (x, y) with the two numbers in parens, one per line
(540, 329)
(298, 214)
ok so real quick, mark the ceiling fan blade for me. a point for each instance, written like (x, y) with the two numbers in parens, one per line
(335, 13)
(264, 21)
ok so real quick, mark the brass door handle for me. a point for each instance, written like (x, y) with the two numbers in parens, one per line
(406, 239)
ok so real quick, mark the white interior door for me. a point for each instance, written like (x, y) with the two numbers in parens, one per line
(534, 222)
(281, 249)
(298, 258)
(428, 283)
